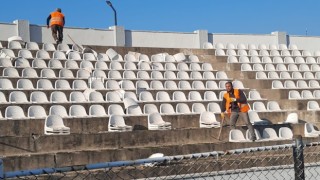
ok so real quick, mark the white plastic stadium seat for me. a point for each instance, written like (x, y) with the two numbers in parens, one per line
(22, 84)
(257, 133)
(96, 96)
(7, 53)
(79, 84)
(210, 96)
(32, 46)
(162, 96)
(43, 54)
(2, 98)
(169, 75)
(14, 45)
(54, 125)
(5, 62)
(74, 56)
(24, 53)
(38, 97)
(254, 95)
(77, 96)
(293, 94)
(182, 108)
(6, 84)
(62, 84)
(44, 84)
(29, 73)
(18, 97)
(179, 57)
(58, 110)
(246, 67)
(261, 75)
(184, 85)
(273, 106)
(179, 96)
(156, 84)
(59, 55)
(273, 75)
(58, 97)
(115, 109)
(208, 120)
(292, 118)
(220, 52)
(111, 84)
(270, 134)
(166, 108)
(77, 110)
(285, 133)
(113, 96)
(150, 108)
(198, 85)
(117, 123)
(313, 106)
(310, 131)
(207, 45)
(194, 96)
(97, 110)
(155, 122)
(14, 112)
(39, 63)
(255, 119)
(235, 135)
(193, 58)
(289, 84)
(198, 108)
(214, 107)
(37, 111)
(63, 47)
(258, 107)
(276, 84)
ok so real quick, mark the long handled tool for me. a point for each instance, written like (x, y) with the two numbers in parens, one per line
(80, 47)
(221, 125)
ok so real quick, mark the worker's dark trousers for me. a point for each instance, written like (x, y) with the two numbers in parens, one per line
(233, 120)
(57, 33)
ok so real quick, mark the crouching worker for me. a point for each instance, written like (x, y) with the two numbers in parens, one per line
(234, 104)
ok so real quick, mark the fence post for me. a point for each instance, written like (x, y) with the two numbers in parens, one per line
(298, 159)
(1, 169)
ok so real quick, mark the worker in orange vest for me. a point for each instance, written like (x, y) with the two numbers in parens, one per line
(234, 104)
(57, 22)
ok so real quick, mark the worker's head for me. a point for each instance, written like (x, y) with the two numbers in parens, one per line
(58, 9)
(229, 86)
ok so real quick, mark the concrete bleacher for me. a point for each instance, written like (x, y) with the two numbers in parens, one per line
(24, 141)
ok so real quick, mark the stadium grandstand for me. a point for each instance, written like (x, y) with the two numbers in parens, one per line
(117, 96)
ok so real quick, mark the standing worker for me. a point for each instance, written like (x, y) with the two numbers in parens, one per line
(235, 104)
(57, 22)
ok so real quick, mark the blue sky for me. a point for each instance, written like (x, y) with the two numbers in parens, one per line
(216, 16)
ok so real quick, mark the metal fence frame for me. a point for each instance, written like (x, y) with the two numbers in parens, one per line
(298, 166)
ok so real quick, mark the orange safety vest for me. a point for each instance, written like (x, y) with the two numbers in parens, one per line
(56, 18)
(243, 107)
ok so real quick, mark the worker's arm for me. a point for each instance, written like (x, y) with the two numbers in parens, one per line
(64, 21)
(223, 105)
(48, 20)
(242, 99)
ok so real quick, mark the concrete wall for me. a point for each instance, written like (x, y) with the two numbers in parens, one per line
(7, 30)
(310, 43)
(244, 38)
(118, 36)
(99, 37)
(160, 39)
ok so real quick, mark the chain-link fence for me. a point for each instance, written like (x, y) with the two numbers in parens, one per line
(288, 161)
